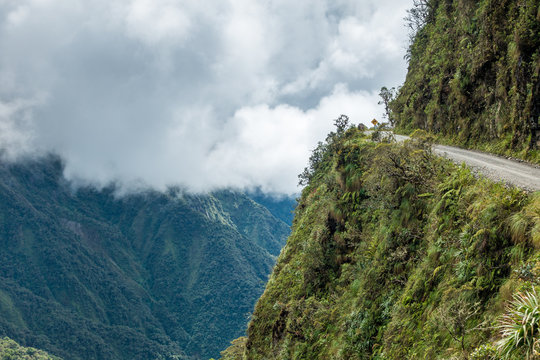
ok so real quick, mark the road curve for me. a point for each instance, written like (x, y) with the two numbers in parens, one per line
(494, 167)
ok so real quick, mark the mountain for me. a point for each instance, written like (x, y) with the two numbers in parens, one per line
(398, 254)
(474, 75)
(88, 274)
(282, 207)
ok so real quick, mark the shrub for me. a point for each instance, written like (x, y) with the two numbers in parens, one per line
(484, 352)
(520, 326)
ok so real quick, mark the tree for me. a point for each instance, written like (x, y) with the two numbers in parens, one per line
(315, 159)
(318, 154)
(236, 350)
(418, 16)
(387, 96)
(342, 124)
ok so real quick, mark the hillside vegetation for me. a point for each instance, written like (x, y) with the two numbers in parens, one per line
(10, 350)
(85, 274)
(398, 254)
(474, 75)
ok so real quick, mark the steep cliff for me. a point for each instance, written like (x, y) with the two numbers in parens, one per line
(398, 254)
(474, 75)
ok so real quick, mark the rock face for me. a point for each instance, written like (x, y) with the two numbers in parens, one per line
(85, 274)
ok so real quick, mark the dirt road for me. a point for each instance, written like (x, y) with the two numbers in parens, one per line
(496, 168)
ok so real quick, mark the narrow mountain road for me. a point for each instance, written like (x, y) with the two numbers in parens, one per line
(496, 168)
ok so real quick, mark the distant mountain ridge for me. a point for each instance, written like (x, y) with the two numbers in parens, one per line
(281, 207)
(87, 275)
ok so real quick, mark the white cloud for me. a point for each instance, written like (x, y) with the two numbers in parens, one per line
(269, 146)
(153, 21)
(16, 130)
(162, 92)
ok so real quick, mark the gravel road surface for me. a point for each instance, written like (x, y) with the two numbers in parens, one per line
(494, 167)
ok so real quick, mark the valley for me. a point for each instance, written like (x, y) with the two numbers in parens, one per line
(88, 274)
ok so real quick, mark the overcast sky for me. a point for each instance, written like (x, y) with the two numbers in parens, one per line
(203, 94)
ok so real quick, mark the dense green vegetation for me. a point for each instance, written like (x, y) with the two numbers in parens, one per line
(474, 75)
(85, 274)
(398, 254)
(10, 350)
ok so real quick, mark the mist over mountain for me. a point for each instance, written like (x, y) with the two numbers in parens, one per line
(154, 93)
(86, 274)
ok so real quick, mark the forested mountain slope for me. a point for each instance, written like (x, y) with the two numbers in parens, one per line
(474, 75)
(88, 275)
(398, 254)
(281, 207)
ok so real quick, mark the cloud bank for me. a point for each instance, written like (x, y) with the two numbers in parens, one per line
(203, 95)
